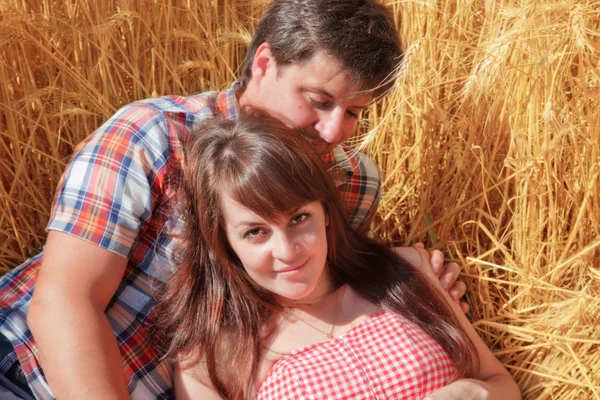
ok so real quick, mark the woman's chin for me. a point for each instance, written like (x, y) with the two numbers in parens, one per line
(292, 296)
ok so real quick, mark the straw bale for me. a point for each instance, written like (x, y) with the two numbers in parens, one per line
(489, 144)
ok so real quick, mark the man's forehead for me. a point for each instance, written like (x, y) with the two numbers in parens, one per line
(340, 86)
(340, 83)
(327, 73)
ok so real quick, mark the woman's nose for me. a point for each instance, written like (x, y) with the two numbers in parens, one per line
(284, 247)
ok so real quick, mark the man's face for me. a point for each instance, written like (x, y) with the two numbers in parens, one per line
(315, 95)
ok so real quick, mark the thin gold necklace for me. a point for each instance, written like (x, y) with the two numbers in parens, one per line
(335, 311)
(329, 335)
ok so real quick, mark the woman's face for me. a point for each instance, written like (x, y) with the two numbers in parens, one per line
(286, 257)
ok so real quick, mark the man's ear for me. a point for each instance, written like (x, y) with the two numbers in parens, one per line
(263, 61)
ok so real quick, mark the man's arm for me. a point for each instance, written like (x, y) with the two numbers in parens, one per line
(78, 348)
(447, 274)
(492, 380)
(105, 200)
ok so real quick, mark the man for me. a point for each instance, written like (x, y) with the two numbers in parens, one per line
(315, 64)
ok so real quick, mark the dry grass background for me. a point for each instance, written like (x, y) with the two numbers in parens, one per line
(490, 144)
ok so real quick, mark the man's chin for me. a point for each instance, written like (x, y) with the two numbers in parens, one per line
(323, 147)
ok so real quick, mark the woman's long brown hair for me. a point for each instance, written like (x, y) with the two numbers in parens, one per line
(211, 312)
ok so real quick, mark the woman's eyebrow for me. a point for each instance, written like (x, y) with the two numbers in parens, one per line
(247, 224)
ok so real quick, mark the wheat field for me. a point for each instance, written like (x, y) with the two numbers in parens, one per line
(489, 144)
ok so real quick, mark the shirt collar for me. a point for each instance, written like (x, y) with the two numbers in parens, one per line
(338, 164)
(227, 102)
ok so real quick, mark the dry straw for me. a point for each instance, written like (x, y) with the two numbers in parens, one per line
(489, 143)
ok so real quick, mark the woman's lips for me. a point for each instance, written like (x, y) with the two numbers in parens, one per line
(292, 269)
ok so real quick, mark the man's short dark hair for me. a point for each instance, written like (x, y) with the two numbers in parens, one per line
(361, 34)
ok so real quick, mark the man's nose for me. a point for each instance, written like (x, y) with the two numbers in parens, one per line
(330, 127)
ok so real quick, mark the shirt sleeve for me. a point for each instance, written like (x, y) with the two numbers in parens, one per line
(361, 193)
(113, 180)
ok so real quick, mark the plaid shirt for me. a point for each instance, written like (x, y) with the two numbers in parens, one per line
(117, 193)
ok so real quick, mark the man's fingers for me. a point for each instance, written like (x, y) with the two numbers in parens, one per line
(449, 276)
(436, 259)
(458, 290)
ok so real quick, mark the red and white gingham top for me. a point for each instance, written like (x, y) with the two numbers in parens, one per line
(384, 357)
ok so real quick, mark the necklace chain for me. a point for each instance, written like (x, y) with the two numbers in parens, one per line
(329, 335)
(335, 313)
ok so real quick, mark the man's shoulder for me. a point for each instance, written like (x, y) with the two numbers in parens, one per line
(174, 114)
(186, 110)
(194, 104)
(161, 109)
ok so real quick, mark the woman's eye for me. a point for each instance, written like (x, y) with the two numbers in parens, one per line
(253, 233)
(300, 218)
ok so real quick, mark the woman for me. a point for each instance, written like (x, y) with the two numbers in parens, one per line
(276, 296)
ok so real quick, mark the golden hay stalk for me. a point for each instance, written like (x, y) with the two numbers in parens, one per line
(489, 144)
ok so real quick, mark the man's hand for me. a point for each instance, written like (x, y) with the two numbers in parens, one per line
(446, 273)
(448, 276)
